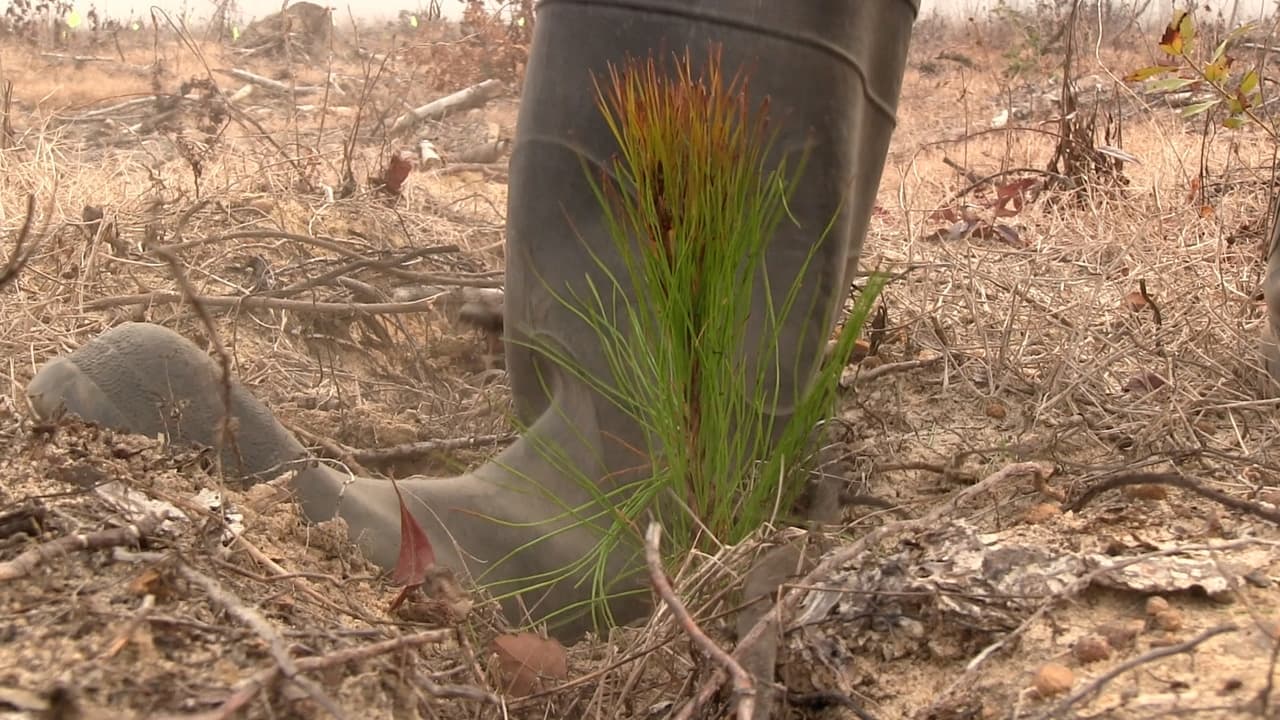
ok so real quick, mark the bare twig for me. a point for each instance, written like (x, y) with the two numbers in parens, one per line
(223, 302)
(279, 650)
(413, 450)
(1182, 481)
(273, 85)
(895, 367)
(744, 687)
(1097, 684)
(226, 433)
(22, 251)
(28, 561)
(250, 687)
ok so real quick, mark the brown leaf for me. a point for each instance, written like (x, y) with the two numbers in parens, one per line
(1193, 191)
(526, 660)
(397, 172)
(1012, 197)
(416, 554)
(1135, 301)
(1177, 34)
(1144, 382)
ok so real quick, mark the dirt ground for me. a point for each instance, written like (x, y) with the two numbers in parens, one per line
(1060, 463)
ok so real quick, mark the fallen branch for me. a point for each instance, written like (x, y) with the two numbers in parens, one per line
(224, 302)
(414, 450)
(78, 58)
(250, 687)
(284, 663)
(23, 246)
(888, 369)
(137, 103)
(744, 687)
(495, 171)
(28, 561)
(464, 99)
(484, 280)
(273, 85)
(1186, 483)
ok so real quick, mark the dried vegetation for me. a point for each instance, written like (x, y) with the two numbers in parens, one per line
(1059, 466)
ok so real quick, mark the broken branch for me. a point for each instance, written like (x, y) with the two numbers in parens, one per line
(28, 561)
(744, 687)
(464, 99)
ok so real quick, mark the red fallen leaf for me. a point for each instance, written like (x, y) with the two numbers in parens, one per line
(525, 660)
(397, 172)
(1015, 193)
(416, 554)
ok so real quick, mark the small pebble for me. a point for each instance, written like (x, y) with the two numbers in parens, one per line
(1053, 679)
(1121, 634)
(1092, 648)
(1156, 605)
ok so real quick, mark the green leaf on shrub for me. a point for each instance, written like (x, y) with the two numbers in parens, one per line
(1171, 84)
(1249, 82)
(1198, 108)
(1216, 71)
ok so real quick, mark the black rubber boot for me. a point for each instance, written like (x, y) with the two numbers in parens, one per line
(832, 73)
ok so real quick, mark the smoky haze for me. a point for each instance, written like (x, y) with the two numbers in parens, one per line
(384, 9)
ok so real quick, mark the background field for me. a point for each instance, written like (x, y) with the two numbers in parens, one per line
(1019, 364)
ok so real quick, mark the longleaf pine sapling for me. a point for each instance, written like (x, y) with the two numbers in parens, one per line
(691, 200)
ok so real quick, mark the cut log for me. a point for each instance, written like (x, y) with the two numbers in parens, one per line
(272, 85)
(465, 99)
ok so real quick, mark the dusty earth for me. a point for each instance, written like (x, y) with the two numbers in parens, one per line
(1062, 495)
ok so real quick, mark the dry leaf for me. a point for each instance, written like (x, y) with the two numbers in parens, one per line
(416, 558)
(397, 172)
(1143, 382)
(526, 660)
(1135, 301)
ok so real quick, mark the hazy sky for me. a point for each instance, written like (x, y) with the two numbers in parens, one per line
(388, 8)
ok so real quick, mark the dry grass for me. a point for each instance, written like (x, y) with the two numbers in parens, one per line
(1034, 345)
